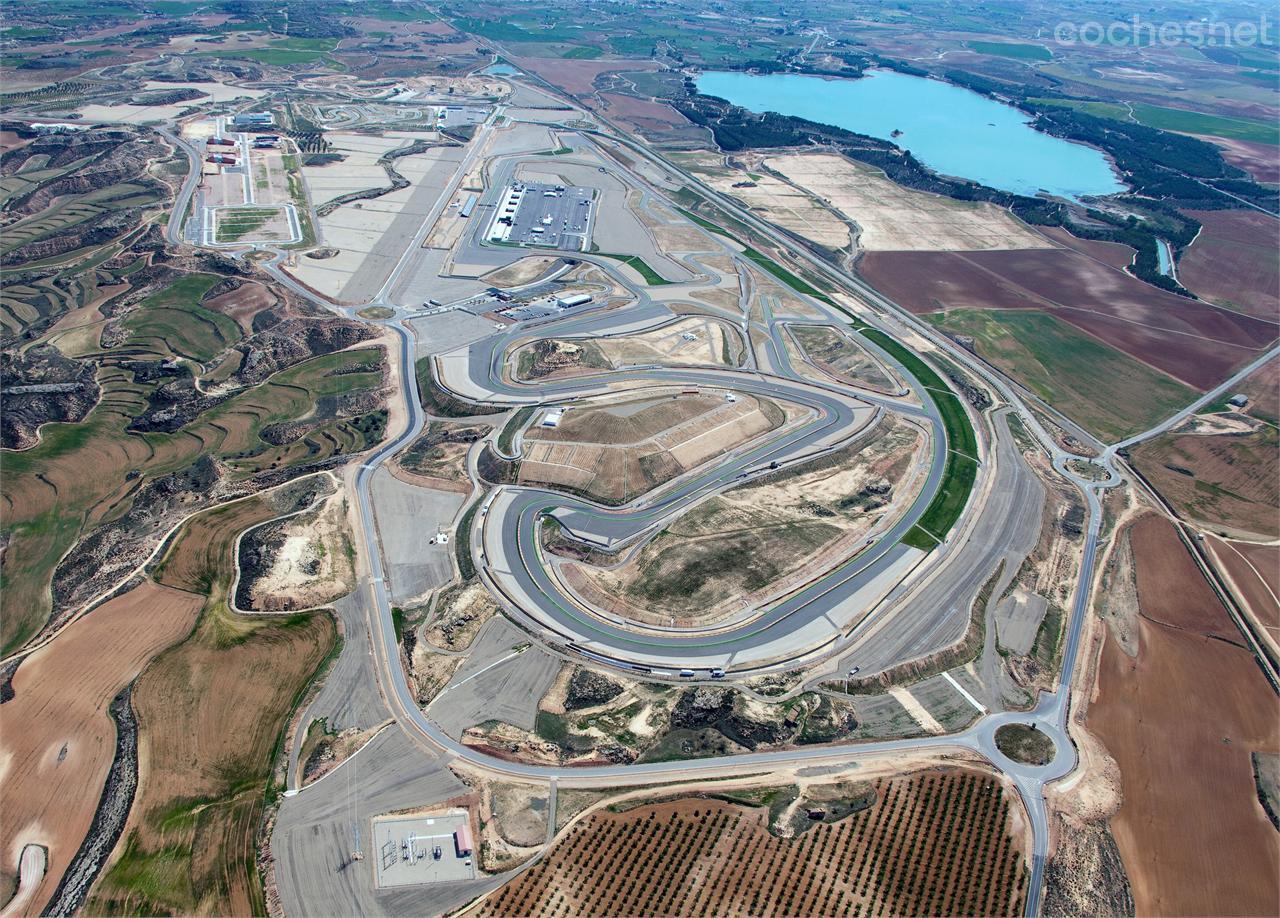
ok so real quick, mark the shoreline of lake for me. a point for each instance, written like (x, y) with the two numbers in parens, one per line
(941, 124)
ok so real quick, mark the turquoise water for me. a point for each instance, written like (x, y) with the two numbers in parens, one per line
(500, 70)
(952, 130)
(1164, 256)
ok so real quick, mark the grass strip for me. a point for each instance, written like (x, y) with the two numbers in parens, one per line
(961, 469)
(651, 277)
(790, 278)
(958, 476)
(507, 437)
(462, 542)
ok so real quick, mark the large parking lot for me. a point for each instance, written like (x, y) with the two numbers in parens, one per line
(553, 216)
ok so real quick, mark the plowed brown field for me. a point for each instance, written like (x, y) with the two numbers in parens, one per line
(1253, 570)
(1221, 480)
(1195, 342)
(577, 76)
(1257, 158)
(1233, 261)
(210, 711)
(59, 740)
(931, 844)
(1181, 721)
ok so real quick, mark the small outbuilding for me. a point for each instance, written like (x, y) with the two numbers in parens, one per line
(462, 840)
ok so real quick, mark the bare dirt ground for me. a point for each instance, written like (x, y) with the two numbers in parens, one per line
(620, 451)
(59, 739)
(430, 672)
(313, 565)
(1233, 261)
(520, 272)
(777, 201)
(1191, 832)
(784, 302)
(460, 612)
(438, 458)
(681, 238)
(725, 298)
(1252, 571)
(799, 522)
(893, 218)
(693, 341)
(516, 808)
(1262, 387)
(843, 358)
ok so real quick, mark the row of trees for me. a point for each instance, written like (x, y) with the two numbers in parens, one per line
(935, 844)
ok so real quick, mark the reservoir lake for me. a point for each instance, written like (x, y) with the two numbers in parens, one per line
(952, 130)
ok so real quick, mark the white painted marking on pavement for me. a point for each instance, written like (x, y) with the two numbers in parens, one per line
(960, 688)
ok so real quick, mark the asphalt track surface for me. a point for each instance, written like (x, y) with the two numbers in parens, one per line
(516, 519)
(1050, 715)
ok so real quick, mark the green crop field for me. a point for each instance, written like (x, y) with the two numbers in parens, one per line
(583, 53)
(1015, 50)
(234, 225)
(1105, 391)
(283, 52)
(1176, 119)
(172, 322)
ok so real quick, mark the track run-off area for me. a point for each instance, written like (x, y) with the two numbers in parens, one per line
(813, 622)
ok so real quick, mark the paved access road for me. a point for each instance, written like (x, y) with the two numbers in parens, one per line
(1050, 715)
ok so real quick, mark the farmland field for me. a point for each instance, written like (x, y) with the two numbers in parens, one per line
(1230, 479)
(1016, 50)
(1191, 833)
(893, 218)
(1177, 119)
(1262, 388)
(210, 715)
(1096, 386)
(938, 843)
(51, 502)
(1196, 343)
(172, 323)
(57, 729)
(1233, 261)
(1253, 571)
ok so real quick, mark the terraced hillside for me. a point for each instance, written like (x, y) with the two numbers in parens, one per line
(175, 377)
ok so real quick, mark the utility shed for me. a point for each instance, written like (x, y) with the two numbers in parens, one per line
(462, 840)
